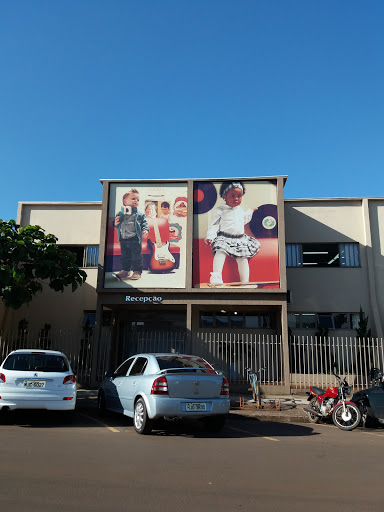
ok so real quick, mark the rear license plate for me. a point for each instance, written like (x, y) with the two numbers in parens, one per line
(195, 406)
(34, 384)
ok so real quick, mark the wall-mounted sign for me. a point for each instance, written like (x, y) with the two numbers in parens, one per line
(135, 298)
(235, 240)
(146, 235)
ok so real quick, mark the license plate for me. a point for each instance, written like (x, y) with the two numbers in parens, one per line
(195, 406)
(34, 384)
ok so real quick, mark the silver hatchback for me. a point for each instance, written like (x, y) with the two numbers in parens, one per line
(147, 387)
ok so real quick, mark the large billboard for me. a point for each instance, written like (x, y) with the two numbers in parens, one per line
(235, 238)
(146, 235)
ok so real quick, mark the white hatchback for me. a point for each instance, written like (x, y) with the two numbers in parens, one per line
(37, 379)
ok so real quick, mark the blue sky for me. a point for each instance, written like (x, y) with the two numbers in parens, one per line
(190, 89)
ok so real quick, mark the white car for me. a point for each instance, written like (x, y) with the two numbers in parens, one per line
(147, 387)
(37, 379)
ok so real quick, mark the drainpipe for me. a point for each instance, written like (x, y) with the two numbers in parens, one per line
(371, 269)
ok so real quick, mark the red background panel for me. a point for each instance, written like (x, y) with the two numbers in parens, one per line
(263, 267)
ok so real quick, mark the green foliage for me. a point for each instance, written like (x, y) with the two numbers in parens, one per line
(29, 258)
(362, 330)
(322, 332)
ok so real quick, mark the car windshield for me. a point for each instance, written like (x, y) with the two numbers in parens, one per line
(168, 362)
(36, 362)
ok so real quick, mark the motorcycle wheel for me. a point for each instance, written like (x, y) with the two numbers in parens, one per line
(348, 420)
(313, 418)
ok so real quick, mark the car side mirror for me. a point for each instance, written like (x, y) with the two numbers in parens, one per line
(109, 374)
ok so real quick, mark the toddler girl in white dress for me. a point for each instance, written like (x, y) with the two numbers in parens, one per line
(226, 233)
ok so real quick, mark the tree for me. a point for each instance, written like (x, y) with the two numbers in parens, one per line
(362, 330)
(29, 258)
(363, 333)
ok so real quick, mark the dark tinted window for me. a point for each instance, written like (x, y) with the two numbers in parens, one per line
(167, 362)
(36, 362)
(321, 255)
(123, 368)
(139, 366)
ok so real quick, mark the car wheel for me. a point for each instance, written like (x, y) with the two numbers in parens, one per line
(101, 408)
(215, 423)
(142, 424)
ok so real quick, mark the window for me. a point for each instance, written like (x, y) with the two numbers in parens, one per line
(91, 256)
(252, 321)
(86, 255)
(36, 362)
(89, 319)
(322, 255)
(308, 320)
(294, 320)
(237, 320)
(167, 362)
(222, 320)
(293, 255)
(123, 368)
(139, 366)
(206, 319)
(325, 320)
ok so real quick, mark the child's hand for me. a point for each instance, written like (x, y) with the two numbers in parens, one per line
(145, 234)
(208, 241)
(117, 220)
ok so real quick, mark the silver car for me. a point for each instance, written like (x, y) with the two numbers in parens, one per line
(147, 387)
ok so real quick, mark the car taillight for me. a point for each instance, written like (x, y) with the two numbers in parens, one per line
(2, 377)
(69, 379)
(160, 386)
(224, 387)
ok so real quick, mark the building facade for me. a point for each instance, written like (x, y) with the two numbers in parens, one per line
(315, 263)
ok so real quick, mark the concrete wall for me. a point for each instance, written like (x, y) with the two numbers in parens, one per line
(338, 289)
(73, 224)
(376, 217)
(314, 290)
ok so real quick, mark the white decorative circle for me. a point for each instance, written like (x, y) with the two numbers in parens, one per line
(269, 222)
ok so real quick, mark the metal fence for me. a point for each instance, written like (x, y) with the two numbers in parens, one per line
(311, 359)
(78, 348)
(234, 353)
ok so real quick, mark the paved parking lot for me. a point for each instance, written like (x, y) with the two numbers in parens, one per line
(251, 465)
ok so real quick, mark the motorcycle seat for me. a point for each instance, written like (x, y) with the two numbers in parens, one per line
(317, 391)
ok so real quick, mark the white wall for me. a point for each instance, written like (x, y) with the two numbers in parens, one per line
(335, 289)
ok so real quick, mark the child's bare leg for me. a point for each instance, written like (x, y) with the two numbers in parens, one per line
(218, 264)
(243, 266)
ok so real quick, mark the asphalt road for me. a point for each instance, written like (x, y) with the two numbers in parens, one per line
(252, 465)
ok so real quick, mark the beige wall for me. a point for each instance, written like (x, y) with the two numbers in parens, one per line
(73, 224)
(314, 290)
(309, 221)
(338, 289)
(376, 217)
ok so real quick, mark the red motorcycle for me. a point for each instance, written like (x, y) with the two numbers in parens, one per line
(332, 403)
